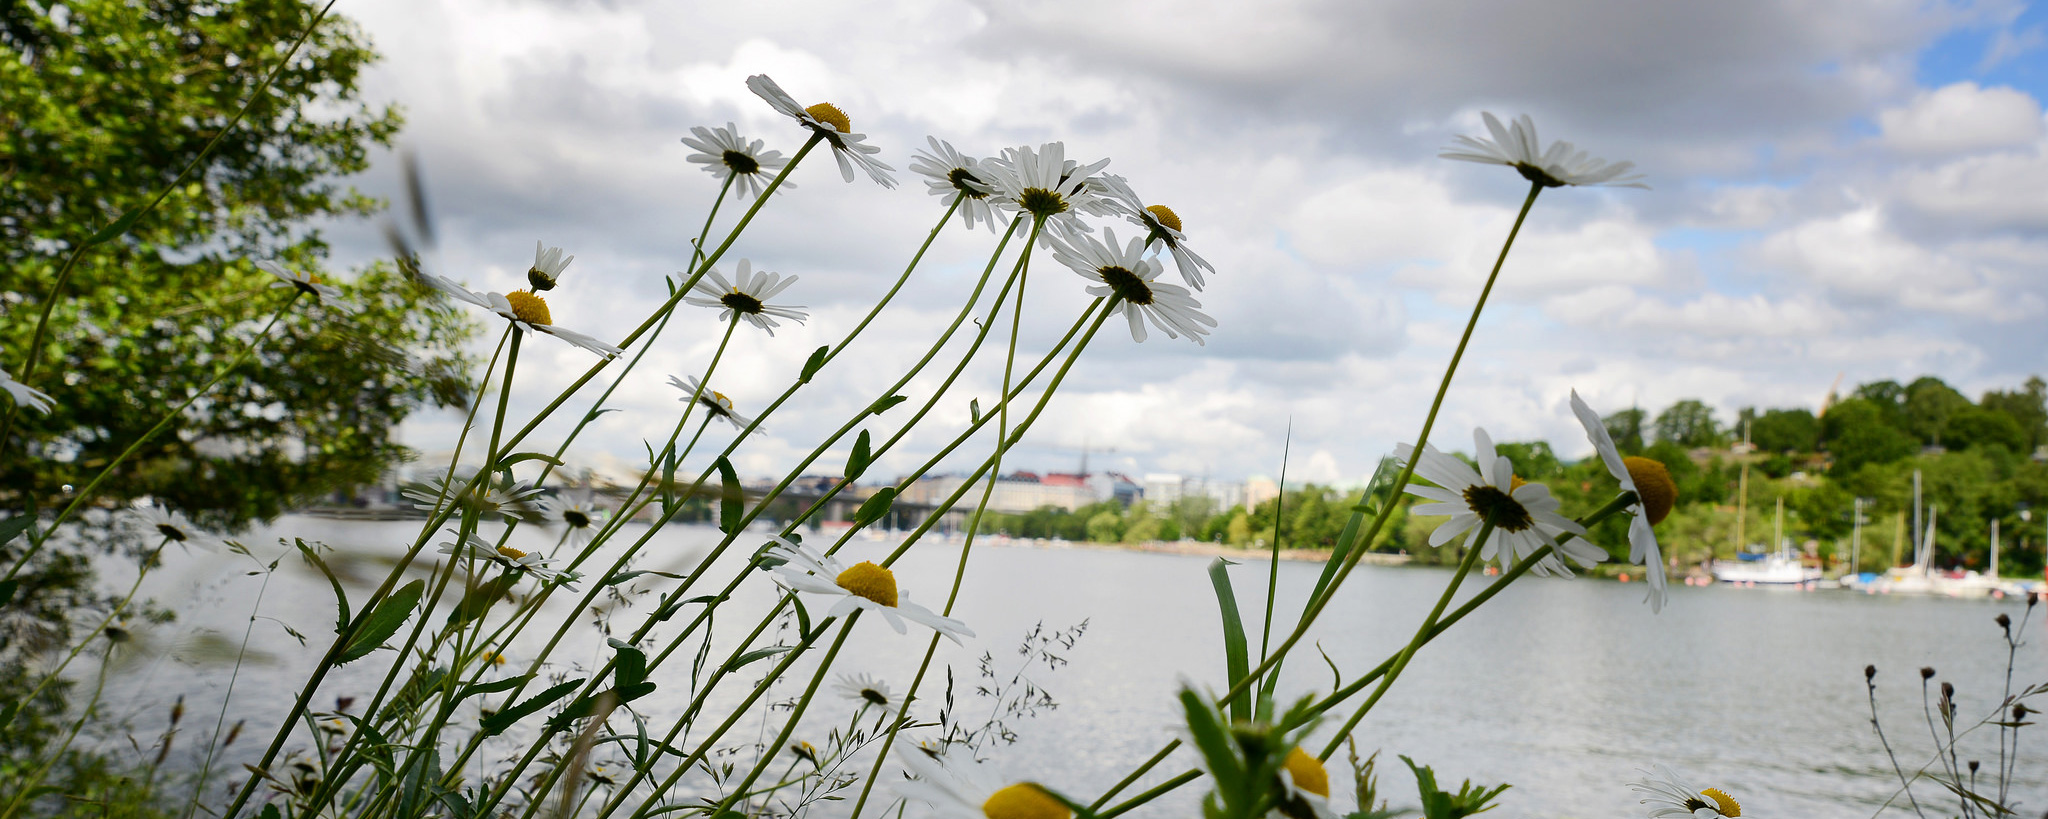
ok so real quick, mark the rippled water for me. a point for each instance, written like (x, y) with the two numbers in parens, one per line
(1561, 688)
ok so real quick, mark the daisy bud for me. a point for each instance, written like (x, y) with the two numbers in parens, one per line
(1927, 672)
(1869, 673)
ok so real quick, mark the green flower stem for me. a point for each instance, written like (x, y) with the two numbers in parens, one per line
(213, 747)
(1520, 568)
(938, 514)
(148, 561)
(696, 253)
(675, 298)
(444, 508)
(929, 464)
(454, 677)
(640, 773)
(1351, 558)
(1472, 552)
(35, 344)
(27, 787)
(39, 540)
(965, 311)
(329, 786)
(974, 525)
(796, 714)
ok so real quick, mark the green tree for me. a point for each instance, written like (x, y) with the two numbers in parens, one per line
(1976, 426)
(1856, 433)
(1930, 403)
(104, 103)
(1626, 427)
(2028, 408)
(1785, 430)
(1689, 423)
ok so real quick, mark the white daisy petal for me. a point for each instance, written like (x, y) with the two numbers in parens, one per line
(1518, 147)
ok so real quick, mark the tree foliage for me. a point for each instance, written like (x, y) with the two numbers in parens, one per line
(104, 103)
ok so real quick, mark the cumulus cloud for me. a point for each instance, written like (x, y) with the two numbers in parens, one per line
(1297, 141)
(1961, 118)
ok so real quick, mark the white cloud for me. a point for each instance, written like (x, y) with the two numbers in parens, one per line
(1962, 118)
(1297, 140)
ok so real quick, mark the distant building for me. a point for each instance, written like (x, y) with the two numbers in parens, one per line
(1162, 489)
(1258, 490)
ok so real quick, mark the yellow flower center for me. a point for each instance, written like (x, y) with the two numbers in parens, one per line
(1515, 482)
(510, 552)
(723, 402)
(1165, 215)
(494, 658)
(1499, 508)
(868, 580)
(1722, 801)
(1309, 774)
(1023, 801)
(830, 114)
(1654, 487)
(529, 308)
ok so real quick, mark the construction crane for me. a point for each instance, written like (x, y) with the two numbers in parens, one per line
(1830, 400)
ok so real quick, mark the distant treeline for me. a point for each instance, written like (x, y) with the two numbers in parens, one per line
(1975, 459)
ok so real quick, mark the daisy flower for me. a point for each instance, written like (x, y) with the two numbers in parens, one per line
(1524, 515)
(26, 395)
(548, 264)
(861, 586)
(174, 527)
(484, 499)
(712, 401)
(865, 689)
(476, 548)
(1047, 185)
(826, 120)
(580, 518)
(725, 154)
(1306, 783)
(305, 282)
(950, 173)
(1162, 226)
(746, 296)
(1562, 164)
(527, 311)
(1654, 490)
(962, 788)
(1130, 277)
(1678, 797)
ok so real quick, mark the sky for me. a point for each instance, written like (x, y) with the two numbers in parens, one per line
(1839, 188)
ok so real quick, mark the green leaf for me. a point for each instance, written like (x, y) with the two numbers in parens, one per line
(974, 410)
(812, 366)
(757, 654)
(622, 577)
(478, 600)
(340, 597)
(875, 506)
(1212, 739)
(7, 588)
(731, 498)
(885, 403)
(119, 226)
(12, 528)
(1236, 655)
(497, 723)
(270, 812)
(631, 667)
(529, 456)
(382, 622)
(857, 462)
(491, 687)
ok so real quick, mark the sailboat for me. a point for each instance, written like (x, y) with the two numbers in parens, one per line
(1780, 567)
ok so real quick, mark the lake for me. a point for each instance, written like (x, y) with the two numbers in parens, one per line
(1562, 688)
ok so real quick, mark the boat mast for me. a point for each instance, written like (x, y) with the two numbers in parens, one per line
(1778, 528)
(1994, 548)
(1741, 508)
(1916, 517)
